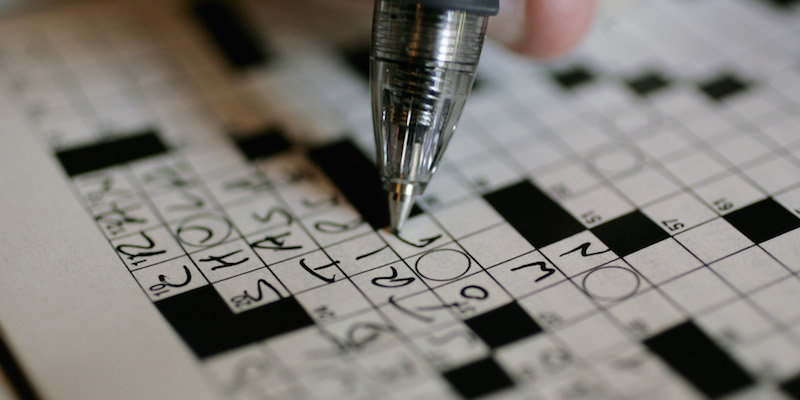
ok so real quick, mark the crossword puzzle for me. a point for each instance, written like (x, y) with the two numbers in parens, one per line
(618, 224)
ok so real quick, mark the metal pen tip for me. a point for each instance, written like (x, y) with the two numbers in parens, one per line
(401, 201)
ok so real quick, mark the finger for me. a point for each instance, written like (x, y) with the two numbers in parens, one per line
(542, 28)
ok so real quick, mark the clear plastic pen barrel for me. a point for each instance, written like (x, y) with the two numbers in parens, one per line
(422, 67)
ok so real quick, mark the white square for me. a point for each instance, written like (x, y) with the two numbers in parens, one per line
(496, 245)
(662, 261)
(417, 313)
(784, 132)
(444, 188)
(558, 304)
(698, 291)
(647, 313)
(226, 260)
(566, 180)
(390, 282)
(420, 234)
(332, 301)
(695, 168)
(336, 225)
(526, 274)
(257, 213)
(738, 322)
(596, 206)
(466, 217)
(536, 359)
(645, 186)
(592, 335)
(679, 213)
(490, 174)
(776, 358)
(713, 240)
(443, 264)
(281, 243)
(780, 300)
(451, 347)
(749, 269)
(738, 148)
(251, 290)
(298, 278)
(362, 254)
(774, 175)
(473, 295)
(147, 248)
(729, 194)
(169, 278)
(785, 249)
(536, 155)
(578, 253)
(662, 143)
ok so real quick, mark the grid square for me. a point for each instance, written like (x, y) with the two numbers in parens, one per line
(629, 233)
(504, 325)
(723, 87)
(578, 253)
(573, 77)
(592, 335)
(694, 168)
(734, 323)
(679, 213)
(645, 186)
(780, 300)
(698, 291)
(662, 261)
(647, 83)
(478, 378)
(774, 175)
(467, 217)
(596, 206)
(749, 269)
(713, 240)
(526, 274)
(739, 149)
(763, 220)
(785, 249)
(495, 245)
(558, 304)
(729, 194)
(647, 313)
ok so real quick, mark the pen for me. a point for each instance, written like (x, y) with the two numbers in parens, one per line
(423, 59)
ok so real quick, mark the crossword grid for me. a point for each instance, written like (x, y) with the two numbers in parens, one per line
(700, 159)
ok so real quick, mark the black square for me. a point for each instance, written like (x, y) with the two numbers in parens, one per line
(782, 4)
(266, 143)
(723, 87)
(629, 233)
(539, 219)
(763, 221)
(209, 327)
(648, 83)
(358, 60)
(573, 77)
(478, 378)
(693, 355)
(504, 325)
(792, 387)
(231, 33)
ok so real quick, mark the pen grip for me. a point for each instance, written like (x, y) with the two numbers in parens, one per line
(479, 7)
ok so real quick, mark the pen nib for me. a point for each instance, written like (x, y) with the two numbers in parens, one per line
(401, 201)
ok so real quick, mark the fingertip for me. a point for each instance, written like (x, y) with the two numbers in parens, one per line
(552, 27)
